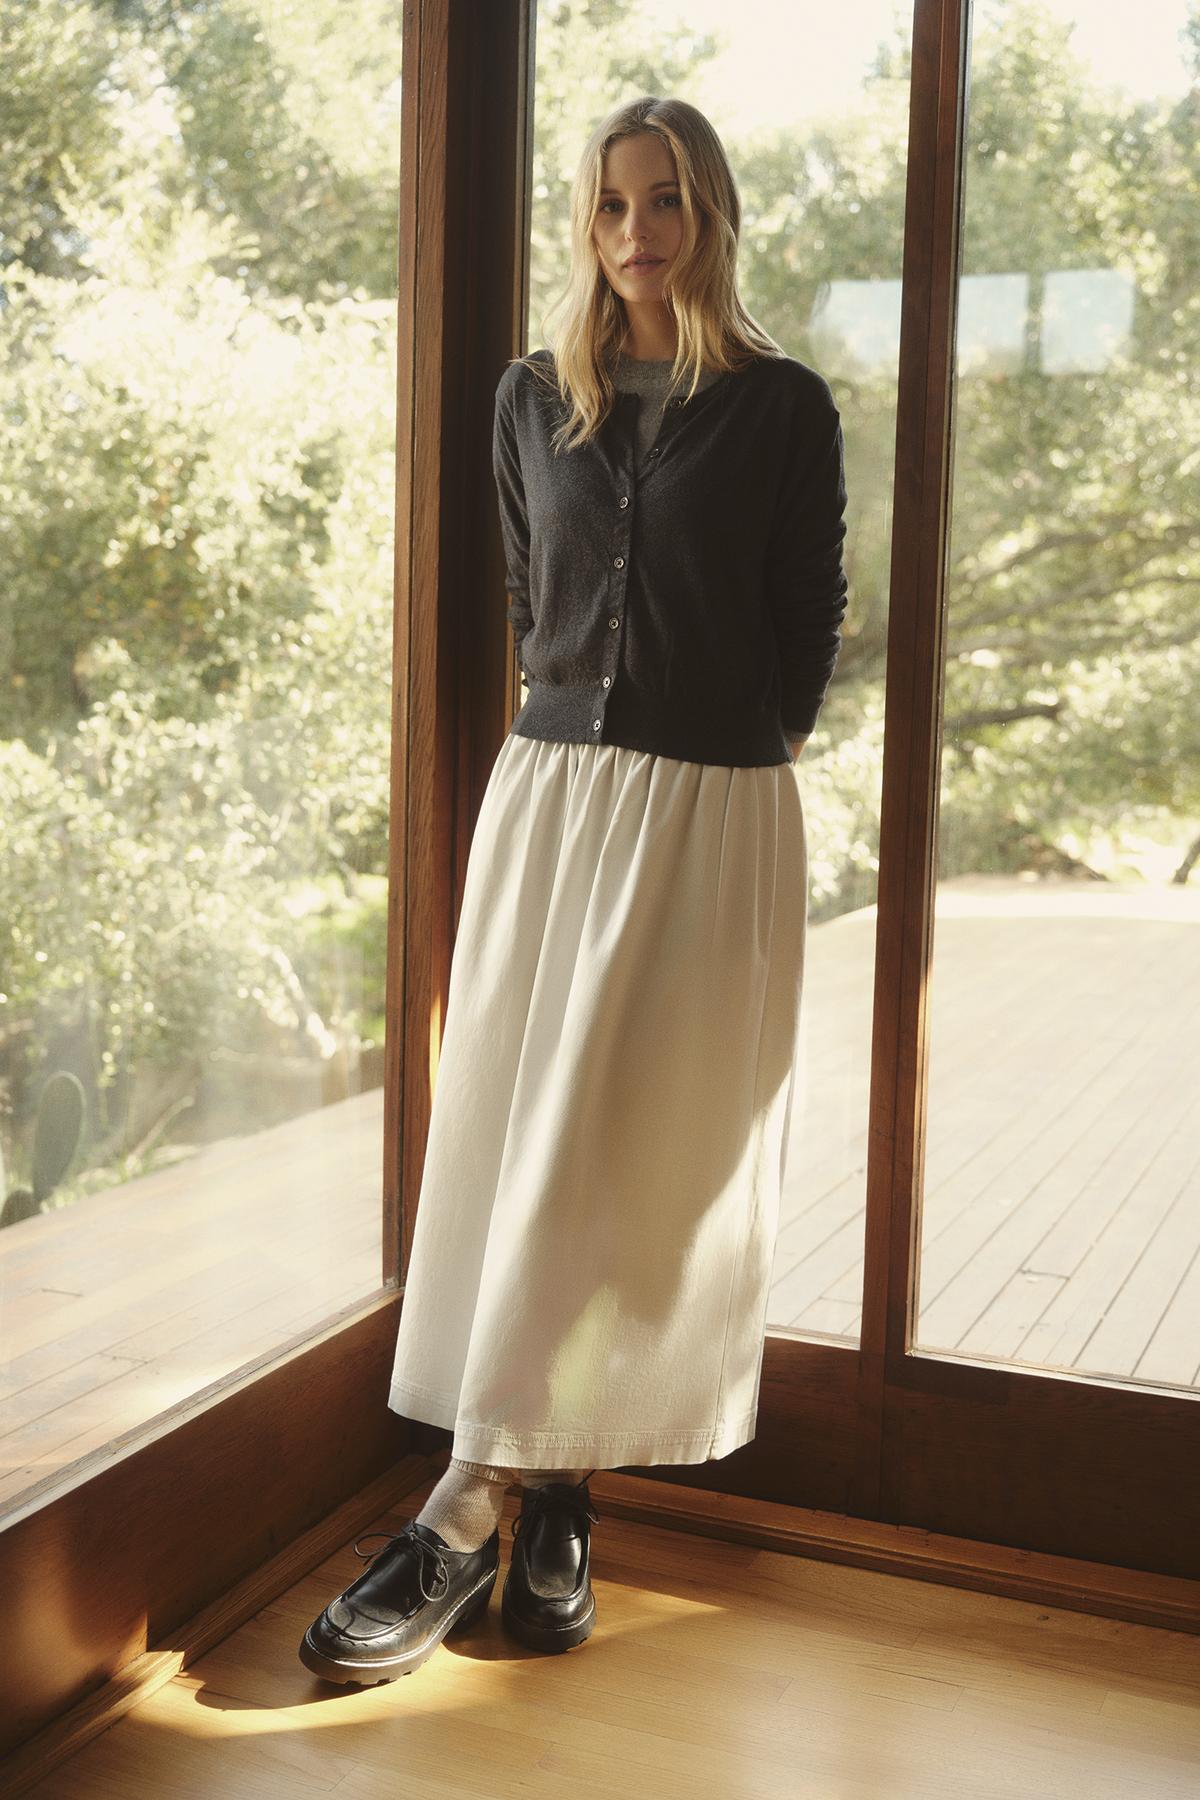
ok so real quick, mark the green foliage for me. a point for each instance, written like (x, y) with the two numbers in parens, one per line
(159, 864)
(185, 469)
(196, 504)
(58, 132)
(289, 122)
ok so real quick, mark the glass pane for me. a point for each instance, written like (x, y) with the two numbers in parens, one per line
(1061, 1219)
(816, 127)
(199, 281)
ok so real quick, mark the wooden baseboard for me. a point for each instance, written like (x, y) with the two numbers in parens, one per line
(1168, 1601)
(1165, 1601)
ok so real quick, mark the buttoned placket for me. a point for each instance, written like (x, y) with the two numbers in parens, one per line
(627, 486)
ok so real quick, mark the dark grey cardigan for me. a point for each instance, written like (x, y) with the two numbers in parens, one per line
(694, 609)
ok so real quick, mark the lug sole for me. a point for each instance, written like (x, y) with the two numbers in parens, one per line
(370, 1673)
(548, 1637)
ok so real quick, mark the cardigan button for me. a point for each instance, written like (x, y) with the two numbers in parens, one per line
(595, 724)
(618, 562)
(613, 623)
(623, 501)
(607, 682)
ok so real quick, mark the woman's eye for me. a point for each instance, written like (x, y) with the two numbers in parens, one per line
(676, 198)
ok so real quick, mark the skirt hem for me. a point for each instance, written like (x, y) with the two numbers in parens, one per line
(492, 1444)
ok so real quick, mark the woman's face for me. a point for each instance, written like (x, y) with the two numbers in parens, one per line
(639, 213)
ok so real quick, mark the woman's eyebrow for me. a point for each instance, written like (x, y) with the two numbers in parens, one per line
(653, 185)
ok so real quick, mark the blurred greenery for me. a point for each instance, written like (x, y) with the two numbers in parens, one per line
(198, 274)
(197, 282)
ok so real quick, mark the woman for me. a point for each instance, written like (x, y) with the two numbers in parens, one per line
(596, 1227)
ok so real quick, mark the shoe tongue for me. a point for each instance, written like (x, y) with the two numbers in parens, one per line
(430, 1535)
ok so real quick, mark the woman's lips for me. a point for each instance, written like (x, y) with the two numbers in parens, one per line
(650, 262)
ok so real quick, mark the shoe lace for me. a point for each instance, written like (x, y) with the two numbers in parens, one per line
(535, 1500)
(425, 1552)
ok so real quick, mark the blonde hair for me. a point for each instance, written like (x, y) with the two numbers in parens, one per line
(713, 327)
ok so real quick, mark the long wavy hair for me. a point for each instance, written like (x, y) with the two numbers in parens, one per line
(712, 325)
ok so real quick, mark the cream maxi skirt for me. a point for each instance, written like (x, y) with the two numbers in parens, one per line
(596, 1225)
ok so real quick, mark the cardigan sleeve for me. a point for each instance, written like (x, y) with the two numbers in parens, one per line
(514, 516)
(806, 582)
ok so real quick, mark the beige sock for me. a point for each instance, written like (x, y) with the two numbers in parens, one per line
(467, 1504)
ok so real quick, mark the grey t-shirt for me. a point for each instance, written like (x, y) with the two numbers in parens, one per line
(650, 380)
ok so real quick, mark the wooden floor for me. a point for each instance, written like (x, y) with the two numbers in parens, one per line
(1061, 1209)
(125, 1304)
(1062, 1196)
(716, 1671)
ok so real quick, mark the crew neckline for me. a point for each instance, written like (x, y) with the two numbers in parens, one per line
(716, 384)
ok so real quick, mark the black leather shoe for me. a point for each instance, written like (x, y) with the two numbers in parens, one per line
(547, 1601)
(392, 1618)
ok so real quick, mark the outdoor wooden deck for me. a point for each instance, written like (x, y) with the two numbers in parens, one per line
(1061, 1215)
(1062, 1194)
